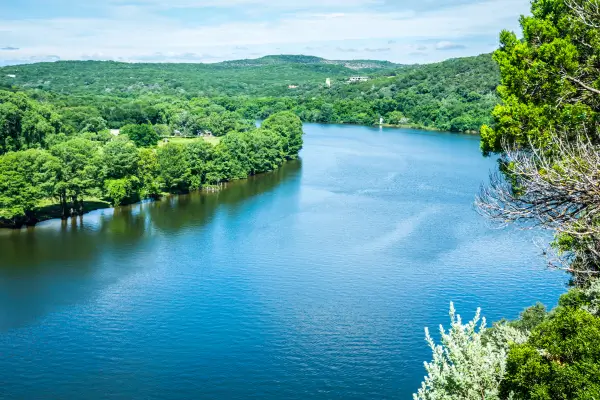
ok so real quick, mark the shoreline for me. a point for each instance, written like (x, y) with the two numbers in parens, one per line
(402, 126)
(53, 211)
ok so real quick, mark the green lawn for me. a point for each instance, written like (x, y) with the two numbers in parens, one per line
(214, 140)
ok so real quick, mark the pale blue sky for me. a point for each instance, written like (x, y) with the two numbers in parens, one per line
(404, 31)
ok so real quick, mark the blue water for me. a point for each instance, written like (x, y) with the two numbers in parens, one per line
(313, 281)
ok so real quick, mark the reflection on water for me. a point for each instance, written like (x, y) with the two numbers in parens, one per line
(57, 262)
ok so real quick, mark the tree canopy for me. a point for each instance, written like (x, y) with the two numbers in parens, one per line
(455, 95)
(550, 80)
(79, 159)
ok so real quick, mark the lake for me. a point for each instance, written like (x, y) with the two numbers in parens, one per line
(316, 280)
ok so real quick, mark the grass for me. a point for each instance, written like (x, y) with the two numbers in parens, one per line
(214, 140)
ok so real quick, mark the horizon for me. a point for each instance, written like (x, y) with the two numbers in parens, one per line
(210, 31)
(242, 59)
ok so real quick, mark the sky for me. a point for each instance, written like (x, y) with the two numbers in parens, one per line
(402, 31)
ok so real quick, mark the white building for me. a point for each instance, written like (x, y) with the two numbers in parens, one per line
(328, 82)
(11, 76)
(354, 79)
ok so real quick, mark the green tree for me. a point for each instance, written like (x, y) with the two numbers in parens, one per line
(561, 360)
(235, 144)
(24, 123)
(80, 166)
(142, 135)
(265, 150)
(197, 155)
(148, 170)
(551, 102)
(550, 78)
(287, 125)
(120, 162)
(396, 118)
(93, 124)
(173, 168)
(26, 177)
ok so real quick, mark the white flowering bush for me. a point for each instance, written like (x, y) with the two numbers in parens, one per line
(467, 364)
(593, 297)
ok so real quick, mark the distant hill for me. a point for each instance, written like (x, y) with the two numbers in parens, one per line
(266, 76)
(301, 59)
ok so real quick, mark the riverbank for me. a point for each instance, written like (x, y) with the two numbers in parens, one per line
(50, 211)
(402, 126)
(426, 128)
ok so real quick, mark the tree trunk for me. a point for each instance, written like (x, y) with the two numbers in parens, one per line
(63, 206)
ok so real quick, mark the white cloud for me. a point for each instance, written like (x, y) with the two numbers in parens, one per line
(447, 45)
(134, 31)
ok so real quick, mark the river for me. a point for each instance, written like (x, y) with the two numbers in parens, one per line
(316, 280)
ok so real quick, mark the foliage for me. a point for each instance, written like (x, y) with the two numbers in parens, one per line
(26, 177)
(78, 160)
(143, 135)
(550, 78)
(470, 363)
(289, 127)
(561, 359)
(24, 123)
(78, 174)
(541, 355)
(456, 95)
(172, 167)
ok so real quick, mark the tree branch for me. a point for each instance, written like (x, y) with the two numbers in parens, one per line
(583, 85)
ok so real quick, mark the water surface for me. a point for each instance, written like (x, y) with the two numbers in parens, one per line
(313, 281)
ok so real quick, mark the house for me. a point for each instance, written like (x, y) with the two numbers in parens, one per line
(293, 87)
(11, 76)
(354, 79)
(115, 132)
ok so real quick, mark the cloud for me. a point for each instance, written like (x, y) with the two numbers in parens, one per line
(130, 29)
(447, 45)
(379, 50)
(9, 48)
(250, 3)
(346, 50)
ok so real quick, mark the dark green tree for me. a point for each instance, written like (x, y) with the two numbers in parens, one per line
(26, 178)
(173, 168)
(287, 125)
(142, 135)
(80, 166)
(550, 79)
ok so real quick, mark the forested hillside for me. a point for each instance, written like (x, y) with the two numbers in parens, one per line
(456, 95)
(267, 76)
